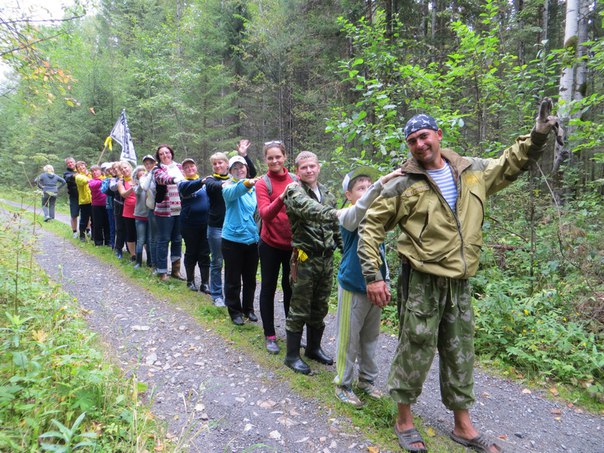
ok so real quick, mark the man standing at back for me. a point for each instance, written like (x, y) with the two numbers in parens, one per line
(438, 204)
(72, 191)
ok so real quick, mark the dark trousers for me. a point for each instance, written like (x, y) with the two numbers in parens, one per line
(271, 261)
(100, 225)
(85, 215)
(310, 294)
(197, 252)
(111, 218)
(120, 227)
(240, 266)
(130, 229)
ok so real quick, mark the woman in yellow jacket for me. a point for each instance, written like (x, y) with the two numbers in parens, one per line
(84, 198)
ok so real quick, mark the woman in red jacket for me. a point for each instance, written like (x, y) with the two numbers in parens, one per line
(275, 247)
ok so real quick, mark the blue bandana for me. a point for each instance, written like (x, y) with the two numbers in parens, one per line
(418, 122)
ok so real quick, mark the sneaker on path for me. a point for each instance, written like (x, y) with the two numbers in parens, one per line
(346, 395)
(370, 389)
(218, 302)
(271, 345)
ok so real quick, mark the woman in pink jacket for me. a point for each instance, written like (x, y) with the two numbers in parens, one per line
(100, 221)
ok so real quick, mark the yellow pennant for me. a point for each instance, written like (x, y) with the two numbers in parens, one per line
(109, 143)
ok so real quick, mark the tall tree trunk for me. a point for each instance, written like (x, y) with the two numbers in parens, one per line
(565, 89)
(519, 8)
(433, 19)
(581, 71)
(545, 23)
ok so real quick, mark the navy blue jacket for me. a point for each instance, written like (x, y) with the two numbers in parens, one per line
(194, 202)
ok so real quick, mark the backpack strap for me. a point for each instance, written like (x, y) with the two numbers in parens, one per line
(269, 184)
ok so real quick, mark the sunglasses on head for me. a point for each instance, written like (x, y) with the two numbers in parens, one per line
(273, 142)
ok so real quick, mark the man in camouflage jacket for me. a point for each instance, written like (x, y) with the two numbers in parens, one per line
(439, 206)
(316, 234)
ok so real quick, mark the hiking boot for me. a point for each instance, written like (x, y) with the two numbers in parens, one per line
(370, 389)
(346, 395)
(176, 270)
(271, 345)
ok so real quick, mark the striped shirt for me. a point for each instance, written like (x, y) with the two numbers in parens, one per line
(445, 182)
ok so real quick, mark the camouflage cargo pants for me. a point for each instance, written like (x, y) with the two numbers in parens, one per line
(437, 313)
(310, 293)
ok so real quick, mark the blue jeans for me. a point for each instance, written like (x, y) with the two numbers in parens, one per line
(215, 242)
(142, 235)
(111, 218)
(152, 231)
(168, 231)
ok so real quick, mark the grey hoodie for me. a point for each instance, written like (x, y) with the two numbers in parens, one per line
(48, 182)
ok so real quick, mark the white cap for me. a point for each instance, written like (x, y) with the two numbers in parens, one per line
(236, 159)
(370, 172)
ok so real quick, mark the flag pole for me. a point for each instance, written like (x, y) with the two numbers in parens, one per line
(107, 144)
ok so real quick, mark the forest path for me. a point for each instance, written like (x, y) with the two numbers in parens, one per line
(222, 400)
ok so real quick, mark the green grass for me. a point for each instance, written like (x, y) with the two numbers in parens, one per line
(58, 389)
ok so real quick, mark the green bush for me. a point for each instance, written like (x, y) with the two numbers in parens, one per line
(57, 391)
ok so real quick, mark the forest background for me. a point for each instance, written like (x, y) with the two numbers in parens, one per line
(340, 78)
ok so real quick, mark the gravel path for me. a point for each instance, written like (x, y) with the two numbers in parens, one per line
(214, 398)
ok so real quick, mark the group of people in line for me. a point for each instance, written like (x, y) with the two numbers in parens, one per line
(289, 223)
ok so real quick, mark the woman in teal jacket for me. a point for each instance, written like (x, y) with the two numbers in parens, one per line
(240, 242)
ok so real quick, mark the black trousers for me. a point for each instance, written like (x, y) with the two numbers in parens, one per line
(100, 225)
(272, 260)
(240, 266)
(120, 227)
(85, 215)
(197, 252)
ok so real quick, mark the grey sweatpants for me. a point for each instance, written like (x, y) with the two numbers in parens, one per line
(358, 324)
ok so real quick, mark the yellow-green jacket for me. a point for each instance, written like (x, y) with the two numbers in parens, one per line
(434, 239)
(84, 194)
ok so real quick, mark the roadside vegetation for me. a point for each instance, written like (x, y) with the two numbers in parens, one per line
(58, 389)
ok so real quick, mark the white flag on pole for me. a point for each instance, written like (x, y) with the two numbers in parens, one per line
(121, 134)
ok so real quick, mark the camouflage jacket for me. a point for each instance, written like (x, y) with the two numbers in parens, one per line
(434, 239)
(315, 227)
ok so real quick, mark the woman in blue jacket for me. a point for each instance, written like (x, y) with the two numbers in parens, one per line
(240, 242)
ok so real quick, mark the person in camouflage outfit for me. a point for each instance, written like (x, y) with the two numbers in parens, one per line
(439, 205)
(316, 234)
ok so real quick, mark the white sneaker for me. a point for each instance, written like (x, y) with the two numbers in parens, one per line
(218, 302)
(75, 235)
